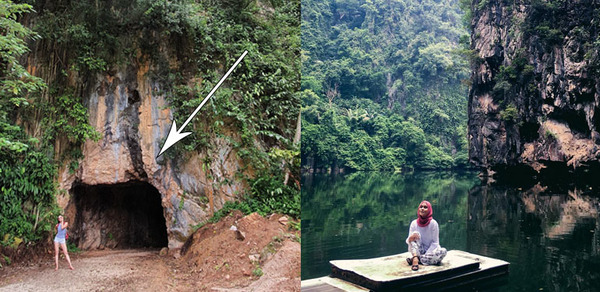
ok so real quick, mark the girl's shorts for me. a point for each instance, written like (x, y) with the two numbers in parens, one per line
(60, 240)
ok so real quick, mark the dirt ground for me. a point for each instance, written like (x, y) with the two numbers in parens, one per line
(262, 255)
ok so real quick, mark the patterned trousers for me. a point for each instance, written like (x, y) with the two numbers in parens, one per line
(434, 257)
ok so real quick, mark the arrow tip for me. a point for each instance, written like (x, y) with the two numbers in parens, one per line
(173, 137)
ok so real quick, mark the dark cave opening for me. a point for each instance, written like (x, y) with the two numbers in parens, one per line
(127, 215)
(529, 131)
(575, 119)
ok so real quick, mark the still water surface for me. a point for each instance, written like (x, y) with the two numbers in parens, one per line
(552, 240)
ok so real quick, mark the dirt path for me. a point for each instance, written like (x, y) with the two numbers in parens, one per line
(267, 258)
(137, 270)
(123, 270)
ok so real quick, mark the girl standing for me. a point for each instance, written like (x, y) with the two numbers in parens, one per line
(59, 239)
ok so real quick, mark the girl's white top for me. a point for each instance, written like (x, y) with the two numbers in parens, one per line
(430, 235)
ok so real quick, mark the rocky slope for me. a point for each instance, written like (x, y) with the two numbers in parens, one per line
(534, 101)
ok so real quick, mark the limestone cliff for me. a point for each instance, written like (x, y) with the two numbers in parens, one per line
(534, 101)
(131, 113)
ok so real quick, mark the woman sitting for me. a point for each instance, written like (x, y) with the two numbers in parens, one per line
(424, 239)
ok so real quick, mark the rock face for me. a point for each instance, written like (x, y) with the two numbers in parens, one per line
(534, 101)
(131, 113)
(129, 109)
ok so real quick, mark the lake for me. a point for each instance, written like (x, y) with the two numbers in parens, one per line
(550, 238)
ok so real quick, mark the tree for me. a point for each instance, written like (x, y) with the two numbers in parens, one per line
(26, 174)
(16, 84)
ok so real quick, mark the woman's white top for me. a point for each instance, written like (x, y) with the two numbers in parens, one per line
(430, 235)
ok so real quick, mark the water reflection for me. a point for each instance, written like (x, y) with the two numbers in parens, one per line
(551, 238)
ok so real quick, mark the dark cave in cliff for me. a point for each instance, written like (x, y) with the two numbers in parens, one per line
(128, 215)
(529, 131)
(576, 121)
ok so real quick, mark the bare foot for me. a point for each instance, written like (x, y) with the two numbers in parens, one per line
(71, 267)
(56, 269)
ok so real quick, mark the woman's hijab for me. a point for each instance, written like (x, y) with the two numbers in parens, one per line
(424, 220)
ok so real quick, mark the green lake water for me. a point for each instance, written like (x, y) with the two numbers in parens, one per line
(552, 240)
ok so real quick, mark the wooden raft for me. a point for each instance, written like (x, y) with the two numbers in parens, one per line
(392, 273)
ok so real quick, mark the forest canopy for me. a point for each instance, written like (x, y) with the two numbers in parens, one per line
(383, 85)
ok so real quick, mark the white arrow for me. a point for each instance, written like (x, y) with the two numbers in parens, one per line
(176, 135)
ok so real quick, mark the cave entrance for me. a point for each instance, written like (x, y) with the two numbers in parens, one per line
(128, 215)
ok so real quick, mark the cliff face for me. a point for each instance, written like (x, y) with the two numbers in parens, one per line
(133, 117)
(534, 101)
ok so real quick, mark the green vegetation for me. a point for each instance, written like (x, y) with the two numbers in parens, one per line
(549, 135)
(295, 225)
(510, 114)
(27, 207)
(263, 205)
(257, 271)
(72, 248)
(547, 23)
(381, 85)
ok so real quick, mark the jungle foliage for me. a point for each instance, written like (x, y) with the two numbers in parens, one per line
(382, 85)
(26, 171)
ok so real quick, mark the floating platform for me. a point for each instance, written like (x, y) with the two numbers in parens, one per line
(392, 273)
